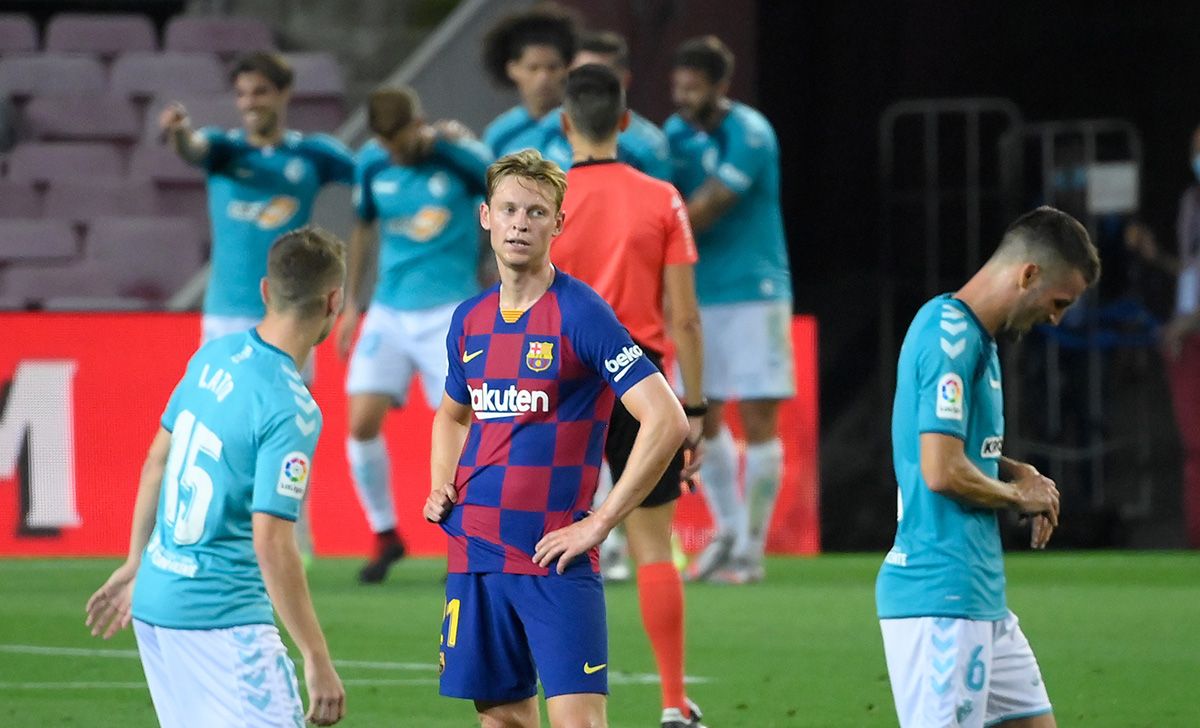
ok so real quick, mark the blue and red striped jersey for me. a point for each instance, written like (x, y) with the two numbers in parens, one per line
(541, 391)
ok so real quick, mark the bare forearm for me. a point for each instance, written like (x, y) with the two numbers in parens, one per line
(360, 249)
(658, 439)
(283, 574)
(968, 484)
(708, 203)
(448, 438)
(185, 144)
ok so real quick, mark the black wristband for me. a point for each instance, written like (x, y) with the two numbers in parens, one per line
(698, 410)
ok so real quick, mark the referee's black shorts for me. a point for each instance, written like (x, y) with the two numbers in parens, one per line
(622, 430)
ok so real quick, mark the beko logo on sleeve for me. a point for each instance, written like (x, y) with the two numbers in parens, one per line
(623, 362)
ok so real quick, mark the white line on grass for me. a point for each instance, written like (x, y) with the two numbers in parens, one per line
(616, 678)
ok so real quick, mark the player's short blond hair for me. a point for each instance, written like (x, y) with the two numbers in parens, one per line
(302, 267)
(531, 165)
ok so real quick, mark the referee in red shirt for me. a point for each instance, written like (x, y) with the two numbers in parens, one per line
(627, 235)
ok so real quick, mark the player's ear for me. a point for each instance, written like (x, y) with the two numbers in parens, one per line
(565, 122)
(559, 220)
(623, 124)
(335, 301)
(264, 293)
(485, 216)
(1028, 275)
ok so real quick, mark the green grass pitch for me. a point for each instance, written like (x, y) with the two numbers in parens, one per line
(1117, 635)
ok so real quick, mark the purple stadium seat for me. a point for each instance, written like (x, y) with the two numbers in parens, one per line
(19, 199)
(181, 187)
(155, 256)
(160, 163)
(317, 76)
(142, 75)
(26, 239)
(40, 162)
(81, 199)
(226, 36)
(82, 118)
(25, 285)
(18, 34)
(309, 115)
(204, 110)
(51, 73)
(103, 34)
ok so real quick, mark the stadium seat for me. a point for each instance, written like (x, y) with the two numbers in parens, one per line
(51, 73)
(18, 34)
(82, 118)
(143, 75)
(203, 109)
(40, 162)
(153, 256)
(80, 199)
(27, 239)
(30, 285)
(226, 36)
(18, 198)
(317, 76)
(316, 115)
(181, 187)
(102, 34)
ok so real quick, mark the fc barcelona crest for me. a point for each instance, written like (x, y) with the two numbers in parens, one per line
(540, 355)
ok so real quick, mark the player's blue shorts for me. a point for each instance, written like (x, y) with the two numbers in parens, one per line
(498, 627)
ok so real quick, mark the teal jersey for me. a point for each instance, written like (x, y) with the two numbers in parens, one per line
(947, 560)
(642, 145)
(243, 430)
(516, 129)
(428, 216)
(255, 194)
(743, 254)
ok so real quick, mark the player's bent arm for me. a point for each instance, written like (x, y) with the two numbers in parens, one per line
(679, 285)
(188, 144)
(109, 609)
(145, 506)
(451, 424)
(947, 470)
(283, 575)
(663, 427)
(1011, 470)
(709, 202)
(363, 249)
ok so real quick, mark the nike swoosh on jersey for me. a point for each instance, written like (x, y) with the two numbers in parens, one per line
(468, 357)
(589, 670)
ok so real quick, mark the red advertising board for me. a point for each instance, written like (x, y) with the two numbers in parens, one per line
(80, 398)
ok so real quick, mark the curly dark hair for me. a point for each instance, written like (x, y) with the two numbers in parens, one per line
(545, 24)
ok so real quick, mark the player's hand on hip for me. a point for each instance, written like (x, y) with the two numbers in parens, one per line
(567, 543)
(110, 609)
(1042, 530)
(326, 696)
(1038, 495)
(346, 326)
(441, 499)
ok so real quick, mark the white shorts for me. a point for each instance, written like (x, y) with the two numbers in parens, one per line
(219, 678)
(961, 672)
(214, 327)
(748, 350)
(394, 345)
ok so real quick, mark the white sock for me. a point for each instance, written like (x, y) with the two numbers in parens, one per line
(764, 471)
(370, 468)
(719, 473)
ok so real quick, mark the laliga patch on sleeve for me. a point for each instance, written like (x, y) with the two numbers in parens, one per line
(293, 475)
(950, 397)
